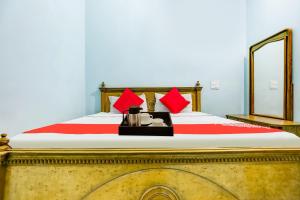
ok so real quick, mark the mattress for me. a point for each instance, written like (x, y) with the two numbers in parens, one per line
(275, 139)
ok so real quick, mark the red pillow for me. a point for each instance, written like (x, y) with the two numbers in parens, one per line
(126, 100)
(174, 101)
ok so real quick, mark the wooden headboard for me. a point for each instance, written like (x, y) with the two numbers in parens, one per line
(149, 92)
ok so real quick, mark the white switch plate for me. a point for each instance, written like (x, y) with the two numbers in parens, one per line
(273, 84)
(215, 85)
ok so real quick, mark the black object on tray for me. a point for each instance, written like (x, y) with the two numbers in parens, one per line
(124, 129)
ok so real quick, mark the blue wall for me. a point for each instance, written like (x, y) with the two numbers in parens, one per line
(167, 42)
(42, 66)
(54, 53)
(266, 17)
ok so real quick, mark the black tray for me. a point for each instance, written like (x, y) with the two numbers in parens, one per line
(124, 129)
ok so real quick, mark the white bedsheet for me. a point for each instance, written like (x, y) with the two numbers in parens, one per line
(54, 140)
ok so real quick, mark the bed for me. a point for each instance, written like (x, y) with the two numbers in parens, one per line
(246, 162)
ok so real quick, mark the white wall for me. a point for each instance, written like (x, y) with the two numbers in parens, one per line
(266, 17)
(42, 57)
(167, 42)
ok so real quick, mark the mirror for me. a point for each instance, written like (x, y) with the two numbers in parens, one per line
(271, 77)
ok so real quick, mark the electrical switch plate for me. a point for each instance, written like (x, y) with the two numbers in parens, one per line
(215, 85)
(273, 84)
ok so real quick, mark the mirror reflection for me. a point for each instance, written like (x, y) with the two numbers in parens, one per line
(269, 79)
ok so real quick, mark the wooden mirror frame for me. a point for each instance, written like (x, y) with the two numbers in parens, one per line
(285, 35)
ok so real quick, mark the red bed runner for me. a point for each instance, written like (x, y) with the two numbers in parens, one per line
(178, 129)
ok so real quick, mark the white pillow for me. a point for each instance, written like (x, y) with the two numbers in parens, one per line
(160, 107)
(113, 100)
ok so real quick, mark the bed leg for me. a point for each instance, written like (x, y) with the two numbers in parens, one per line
(2, 177)
(3, 154)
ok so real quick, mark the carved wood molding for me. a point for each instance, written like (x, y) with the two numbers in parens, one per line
(92, 158)
(160, 191)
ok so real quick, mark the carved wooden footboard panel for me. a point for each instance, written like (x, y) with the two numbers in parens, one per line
(145, 174)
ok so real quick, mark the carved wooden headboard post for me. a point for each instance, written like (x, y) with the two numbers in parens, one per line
(150, 95)
(4, 142)
(102, 90)
(198, 89)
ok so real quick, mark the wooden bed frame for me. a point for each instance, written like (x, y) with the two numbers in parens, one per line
(149, 174)
(150, 95)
